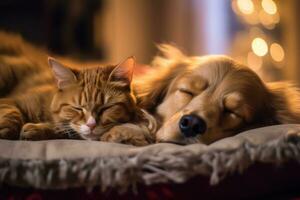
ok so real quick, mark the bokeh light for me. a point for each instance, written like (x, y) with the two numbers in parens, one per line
(259, 47)
(277, 52)
(254, 62)
(276, 17)
(269, 6)
(266, 20)
(245, 6)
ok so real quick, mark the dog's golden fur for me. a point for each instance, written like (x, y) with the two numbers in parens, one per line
(228, 96)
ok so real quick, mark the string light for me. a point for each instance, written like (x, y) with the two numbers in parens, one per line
(269, 6)
(266, 20)
(245, 6)
(259, 46)
(277, 52)
(259, 15)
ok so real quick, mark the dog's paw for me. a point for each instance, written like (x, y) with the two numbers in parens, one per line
(125, 135)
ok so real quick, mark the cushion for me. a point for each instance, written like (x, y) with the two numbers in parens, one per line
(57, 164)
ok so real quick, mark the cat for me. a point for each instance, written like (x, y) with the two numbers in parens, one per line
(95, 103)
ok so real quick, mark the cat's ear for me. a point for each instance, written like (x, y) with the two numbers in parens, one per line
(63, 75)
(124, 71)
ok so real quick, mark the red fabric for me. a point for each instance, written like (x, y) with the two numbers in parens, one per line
(259, 181)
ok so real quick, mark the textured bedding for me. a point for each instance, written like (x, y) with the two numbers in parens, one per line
(57, 164)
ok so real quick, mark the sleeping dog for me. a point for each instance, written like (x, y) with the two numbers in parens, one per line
(204, 99)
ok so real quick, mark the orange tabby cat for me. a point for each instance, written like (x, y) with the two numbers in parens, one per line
(92, 103)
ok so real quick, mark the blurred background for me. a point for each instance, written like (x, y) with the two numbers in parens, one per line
(263, 34)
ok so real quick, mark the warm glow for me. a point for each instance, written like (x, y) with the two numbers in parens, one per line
(259, 46)
(267, 20)
(269, 6)
(245, 6)
(277, 52)
(255, 32)
(276, 18)
(254, 62)
(251, 19)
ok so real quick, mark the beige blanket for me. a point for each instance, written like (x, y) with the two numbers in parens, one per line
(73, 163)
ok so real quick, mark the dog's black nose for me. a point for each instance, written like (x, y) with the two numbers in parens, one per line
(192, 125)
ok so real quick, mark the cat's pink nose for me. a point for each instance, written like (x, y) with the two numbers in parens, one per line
(91, 123)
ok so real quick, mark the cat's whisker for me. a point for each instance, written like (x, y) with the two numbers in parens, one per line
(64, 128)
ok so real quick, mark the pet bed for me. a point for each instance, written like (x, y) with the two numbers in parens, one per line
(255, 163)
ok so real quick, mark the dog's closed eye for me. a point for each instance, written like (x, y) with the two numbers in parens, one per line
(233, 104)
(185, 91)
(231, 113)
(231, 119)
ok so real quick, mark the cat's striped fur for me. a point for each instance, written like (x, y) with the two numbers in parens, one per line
(33, 107)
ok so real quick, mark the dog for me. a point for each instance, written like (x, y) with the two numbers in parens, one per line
(204, 99)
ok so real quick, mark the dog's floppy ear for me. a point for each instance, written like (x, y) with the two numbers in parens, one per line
(152, 88)
(285, 102)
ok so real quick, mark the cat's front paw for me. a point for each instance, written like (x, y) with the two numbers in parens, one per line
(9, 133)
(9, 130)
(32, 131)
(126, 135)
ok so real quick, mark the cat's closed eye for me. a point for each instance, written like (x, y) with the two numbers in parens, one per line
(70, 112)
(77, 108)
(115, 113)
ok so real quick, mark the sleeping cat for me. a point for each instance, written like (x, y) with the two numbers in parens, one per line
(84, 103)
(93, 103)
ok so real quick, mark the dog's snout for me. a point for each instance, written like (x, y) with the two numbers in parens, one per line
(192, 125)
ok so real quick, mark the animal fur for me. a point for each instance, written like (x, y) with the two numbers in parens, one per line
(230, 97)
(88, 103)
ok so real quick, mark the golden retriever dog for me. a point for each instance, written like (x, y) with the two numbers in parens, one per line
(204, 99)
